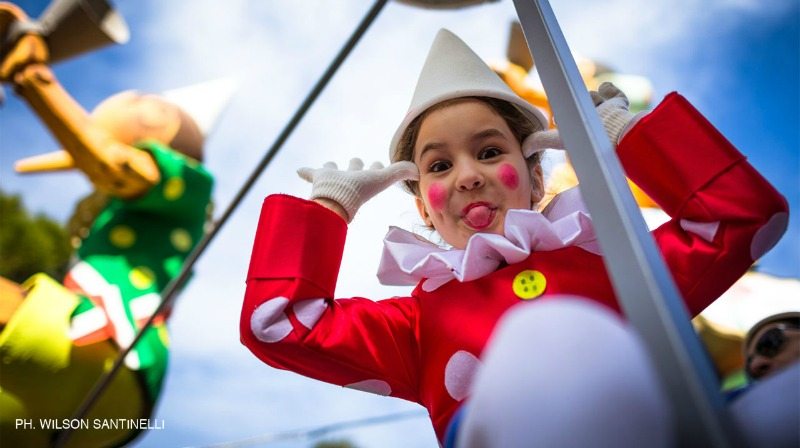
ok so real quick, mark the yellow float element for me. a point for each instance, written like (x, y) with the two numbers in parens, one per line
(46, 377)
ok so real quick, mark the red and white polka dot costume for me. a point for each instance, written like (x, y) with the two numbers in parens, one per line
(426, 347)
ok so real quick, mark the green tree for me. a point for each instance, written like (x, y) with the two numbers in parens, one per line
(30, 244)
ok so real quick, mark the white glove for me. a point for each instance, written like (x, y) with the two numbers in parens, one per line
(612, 106)
(352, 188)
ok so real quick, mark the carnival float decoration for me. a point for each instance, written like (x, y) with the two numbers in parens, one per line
(143, 155)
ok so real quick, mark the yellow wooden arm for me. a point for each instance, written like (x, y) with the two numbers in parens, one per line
(52, 161)
(113, 167)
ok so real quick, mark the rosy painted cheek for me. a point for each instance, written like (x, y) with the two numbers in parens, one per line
(437, 196)
(508, 176)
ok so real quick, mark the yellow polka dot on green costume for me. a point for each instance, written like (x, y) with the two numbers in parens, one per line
(173, 188)
(180, 240)
(122, 236)
(141, 277)
(163, 334)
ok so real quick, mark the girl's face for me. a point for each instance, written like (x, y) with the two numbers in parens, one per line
(471, 171)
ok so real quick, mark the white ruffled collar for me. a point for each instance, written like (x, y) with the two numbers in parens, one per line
(408, 258)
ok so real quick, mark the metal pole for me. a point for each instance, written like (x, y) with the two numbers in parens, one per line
(171, 290)
(641, 280)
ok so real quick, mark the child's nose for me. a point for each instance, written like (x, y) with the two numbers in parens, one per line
(469, 178)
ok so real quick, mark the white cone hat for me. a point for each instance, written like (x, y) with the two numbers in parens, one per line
(453, 70)
(204, 101)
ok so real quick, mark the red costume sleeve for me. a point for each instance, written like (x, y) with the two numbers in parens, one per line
(724, 214)
(290, 321)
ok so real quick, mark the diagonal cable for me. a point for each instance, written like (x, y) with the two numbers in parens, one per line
(171, 290)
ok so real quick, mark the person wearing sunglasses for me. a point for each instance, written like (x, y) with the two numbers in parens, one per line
(769, 405)
(772, 344)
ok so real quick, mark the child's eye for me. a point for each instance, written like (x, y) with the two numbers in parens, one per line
(488, 153)
(438, 166)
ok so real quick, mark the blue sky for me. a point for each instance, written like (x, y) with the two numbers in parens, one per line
(736, 60)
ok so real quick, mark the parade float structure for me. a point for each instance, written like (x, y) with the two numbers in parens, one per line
(641, 281)
(151, 201)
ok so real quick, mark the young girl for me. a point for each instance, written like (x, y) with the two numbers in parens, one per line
(468, 149)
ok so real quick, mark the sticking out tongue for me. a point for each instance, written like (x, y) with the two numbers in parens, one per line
(479, 217)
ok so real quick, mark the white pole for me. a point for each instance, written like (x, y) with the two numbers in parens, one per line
(641, 280)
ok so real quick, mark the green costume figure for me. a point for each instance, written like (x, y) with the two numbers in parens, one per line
(152, 198)
(132, 250)
(62, 338)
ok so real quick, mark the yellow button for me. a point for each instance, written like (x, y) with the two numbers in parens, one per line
(529, 284)
(180, 239)
(141, 277)
(122, 236)
(173, 188)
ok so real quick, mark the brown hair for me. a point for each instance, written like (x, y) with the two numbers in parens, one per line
(521, 126)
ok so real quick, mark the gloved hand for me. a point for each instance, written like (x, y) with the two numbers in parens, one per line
(612, 106)
(352, 188)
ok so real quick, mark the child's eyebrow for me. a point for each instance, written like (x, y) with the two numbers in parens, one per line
(488, 133)
(429, 146)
